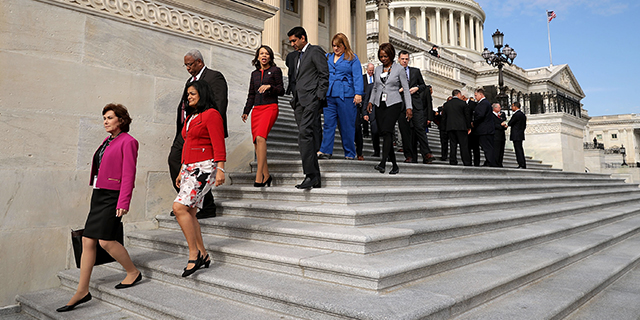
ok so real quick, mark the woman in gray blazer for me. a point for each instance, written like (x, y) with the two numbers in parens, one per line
(390, 84)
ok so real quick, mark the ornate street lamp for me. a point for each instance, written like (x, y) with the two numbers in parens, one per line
(498, 59)
(623, 151)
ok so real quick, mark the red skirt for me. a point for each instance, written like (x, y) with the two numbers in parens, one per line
(262, 120)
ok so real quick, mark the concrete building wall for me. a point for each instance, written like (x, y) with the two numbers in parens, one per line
(60, 63)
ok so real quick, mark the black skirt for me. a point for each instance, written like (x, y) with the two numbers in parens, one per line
(102, 222)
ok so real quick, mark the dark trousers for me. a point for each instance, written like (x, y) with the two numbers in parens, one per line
(175, 163)
(498, 149)
(474, 148)
(486, 142)
(359, 124)
(386, 118)
(462, 138)
(444, 144)
(413, 133)
(309, 136)
(517, 145)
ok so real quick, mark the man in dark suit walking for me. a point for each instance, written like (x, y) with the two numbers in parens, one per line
(194, 62)
(311, 84)
(361, 121)
(484, 127)
(474, 144)
(370, 116)
(518, 124)
(457, 120)
(499, 138)
(415, 126)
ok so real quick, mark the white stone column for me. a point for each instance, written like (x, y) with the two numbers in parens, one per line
(343, 18)
(481, 37)
(472, 36)
(438, 28)
(407, 19)
(478, 34)
(452, 30)
(310, 19)
(383, 22)
(463, 32)
(422, 24)
(271, 32)
(392, 16)
(361, 31)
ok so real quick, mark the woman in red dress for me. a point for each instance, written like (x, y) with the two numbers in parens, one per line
(264, 88)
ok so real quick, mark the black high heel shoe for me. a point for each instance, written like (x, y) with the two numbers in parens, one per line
(394, 170)
(66, 308)
(268, 182)
(259, 184)
(206, 261)
(379, 168)
(198, 264)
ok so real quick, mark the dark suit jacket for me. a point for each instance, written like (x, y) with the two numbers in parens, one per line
(518, 124)
(416, 80)
(482, 118)
(427, 103)
(312, 76)
(367, 92)
(497, 125)
(218, 86)
(291, 64)
(456, 115)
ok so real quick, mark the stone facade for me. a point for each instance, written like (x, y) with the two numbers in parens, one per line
(61, 62)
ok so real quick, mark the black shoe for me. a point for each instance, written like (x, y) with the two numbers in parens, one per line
(206, 213)
(309, 183)
(379, 168)
(124, 286)
(206, 261)
(324, 156)
(198, 263)
(259, 184)
(268, 182)
(428, 158)
(408, 160)
(70, 307)
(172, 214)
(394, 170)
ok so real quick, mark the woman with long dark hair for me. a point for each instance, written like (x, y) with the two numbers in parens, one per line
(388, 79)
(203, 158)
(262, 102)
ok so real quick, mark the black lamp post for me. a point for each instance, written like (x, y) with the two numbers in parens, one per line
(498, 59)
(623, 151)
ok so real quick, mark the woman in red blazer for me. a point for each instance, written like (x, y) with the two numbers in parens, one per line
(203, 158)
(113, 173)
(264, 88)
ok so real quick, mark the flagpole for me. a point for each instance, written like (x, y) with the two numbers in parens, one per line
(549, 35)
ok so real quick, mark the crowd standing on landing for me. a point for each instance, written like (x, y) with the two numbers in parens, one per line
(389, 94)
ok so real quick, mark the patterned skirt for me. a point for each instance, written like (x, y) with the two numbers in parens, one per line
(197, 180)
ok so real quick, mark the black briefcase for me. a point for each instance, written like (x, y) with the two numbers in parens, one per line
(102, 256)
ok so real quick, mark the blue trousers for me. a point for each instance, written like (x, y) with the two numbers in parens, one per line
(345, 112)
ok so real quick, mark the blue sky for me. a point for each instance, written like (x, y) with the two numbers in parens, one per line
(599, 39)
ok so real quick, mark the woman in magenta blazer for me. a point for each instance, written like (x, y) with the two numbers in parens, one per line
(203, 158)
(113, 172)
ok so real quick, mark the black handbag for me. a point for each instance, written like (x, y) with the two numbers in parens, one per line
(102, 256)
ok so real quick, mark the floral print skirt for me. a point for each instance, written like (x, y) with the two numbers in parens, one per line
(197, 180)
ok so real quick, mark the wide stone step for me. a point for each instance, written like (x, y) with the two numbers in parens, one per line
(558, 294)
(371, 239)
(365, 213)
(43, 305)
(162, 300)
(391, 268)
(618, 301)
(379, 195)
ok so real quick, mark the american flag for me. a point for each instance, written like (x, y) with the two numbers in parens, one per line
(551, 15)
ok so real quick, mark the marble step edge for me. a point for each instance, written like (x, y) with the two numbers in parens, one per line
(156, 299)
(349, 179)
(373, 195)
(43, 304)
(364, 214)
(298, 296)
(540, 299)
(373, 239)
(354, 270)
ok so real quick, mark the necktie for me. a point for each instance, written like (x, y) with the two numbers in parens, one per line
(370, 79)
(407, 71)
(298, 64)
(194, 79)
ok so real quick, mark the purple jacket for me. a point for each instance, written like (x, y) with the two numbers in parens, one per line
(118, 168)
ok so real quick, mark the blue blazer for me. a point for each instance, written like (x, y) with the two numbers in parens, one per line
(345, 77)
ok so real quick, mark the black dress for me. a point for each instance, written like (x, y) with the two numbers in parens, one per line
(102, 222)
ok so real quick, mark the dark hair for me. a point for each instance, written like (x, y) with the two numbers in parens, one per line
(455, 92)
(516, 104)
(206, 97)
(403, 52)
(480, 91)
(388, 49)
(122, 114)
(255, 60)
(298, 32)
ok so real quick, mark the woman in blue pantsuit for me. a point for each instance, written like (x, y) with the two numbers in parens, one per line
(344, 93)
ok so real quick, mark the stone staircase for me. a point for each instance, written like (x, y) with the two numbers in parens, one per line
(433, 242)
